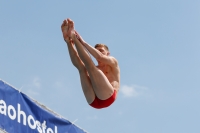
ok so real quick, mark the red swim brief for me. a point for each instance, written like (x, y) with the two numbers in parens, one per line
(98, 103)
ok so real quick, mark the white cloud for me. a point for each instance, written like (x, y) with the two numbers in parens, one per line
(59, 85)
(128, 91)
(32, 88)
(31, 92)
(132, 91)
(36, 83)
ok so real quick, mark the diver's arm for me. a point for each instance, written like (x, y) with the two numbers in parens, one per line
(96, 53)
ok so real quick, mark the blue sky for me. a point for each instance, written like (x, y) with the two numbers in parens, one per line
(157, 45)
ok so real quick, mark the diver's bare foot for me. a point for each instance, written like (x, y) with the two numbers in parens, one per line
(64, 28)
(67, 28)
(71, 31)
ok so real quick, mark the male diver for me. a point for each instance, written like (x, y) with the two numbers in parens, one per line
(100, 84)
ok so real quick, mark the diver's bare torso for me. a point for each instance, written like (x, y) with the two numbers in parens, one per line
(112, 74)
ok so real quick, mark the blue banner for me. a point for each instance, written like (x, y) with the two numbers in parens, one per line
(21, 114)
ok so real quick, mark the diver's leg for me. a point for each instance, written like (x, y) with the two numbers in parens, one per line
(85, 80)
(87, 86)
(83, 54)
(101, 85)
(76, 61)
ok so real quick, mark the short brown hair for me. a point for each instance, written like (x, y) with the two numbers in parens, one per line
(101, 45)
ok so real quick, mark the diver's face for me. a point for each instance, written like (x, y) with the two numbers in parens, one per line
(103, 50)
